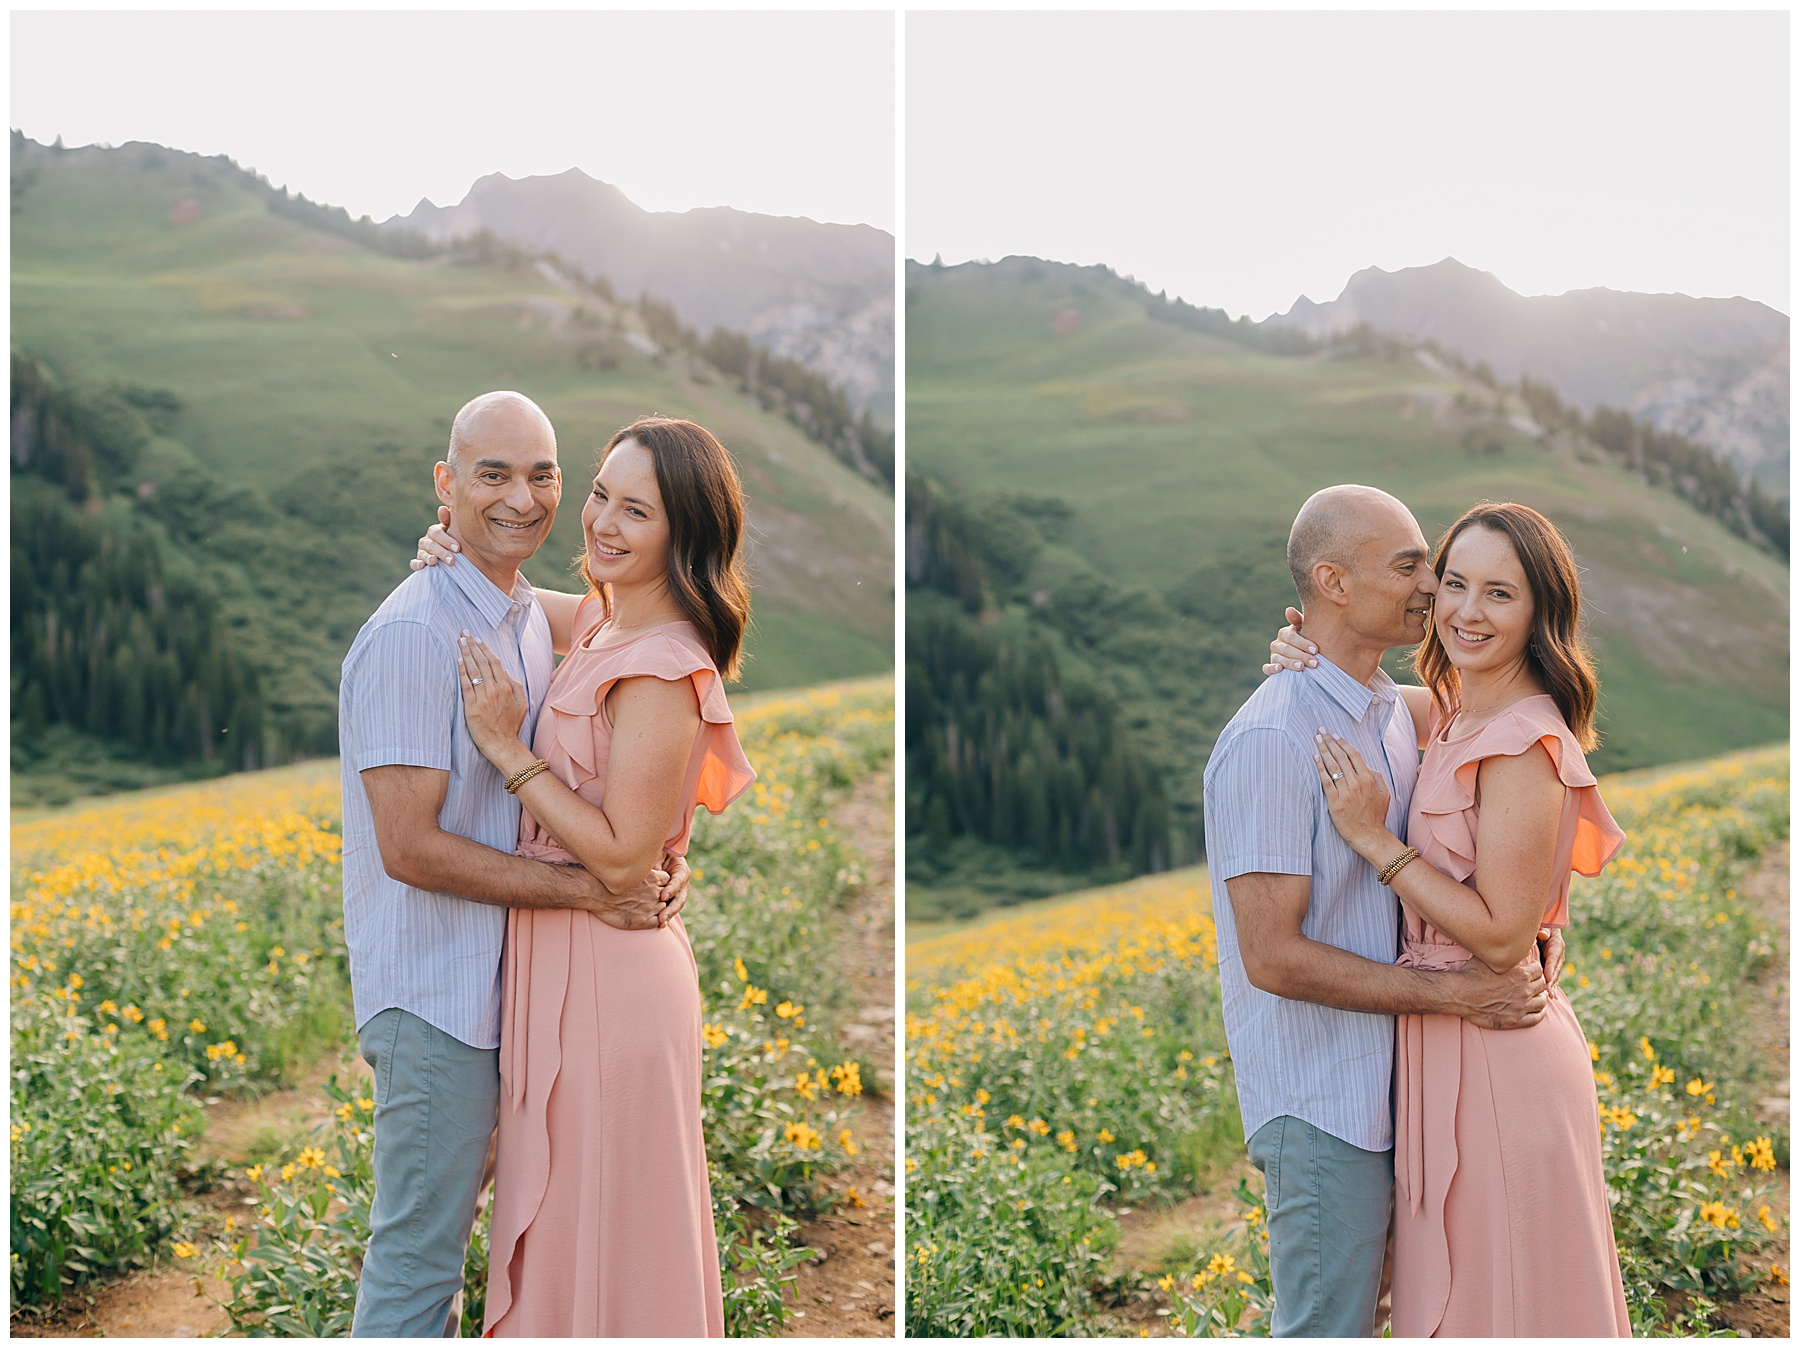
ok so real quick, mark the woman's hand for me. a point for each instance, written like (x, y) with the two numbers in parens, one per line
(493, 705)
(438, 544)
(1290, 650)
(1357, 799)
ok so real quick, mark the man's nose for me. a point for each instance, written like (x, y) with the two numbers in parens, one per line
(518, 494)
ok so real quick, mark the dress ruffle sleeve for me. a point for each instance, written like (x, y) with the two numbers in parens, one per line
(578, 695)
(1445, 798)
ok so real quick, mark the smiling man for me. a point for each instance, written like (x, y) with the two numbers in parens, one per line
(1307, 933)
(429, 870)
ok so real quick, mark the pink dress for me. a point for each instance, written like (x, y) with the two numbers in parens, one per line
(602, 1217)
(1501, 1227)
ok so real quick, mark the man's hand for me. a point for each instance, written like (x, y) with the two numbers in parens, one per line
(662, 894)
(674, 893)
(1509, 1001)
(1550, 951)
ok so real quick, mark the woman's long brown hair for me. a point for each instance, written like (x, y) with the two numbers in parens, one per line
(1557, 653)
(704, 502)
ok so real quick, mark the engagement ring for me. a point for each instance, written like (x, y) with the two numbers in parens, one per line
(1336, 776)
(474, 682)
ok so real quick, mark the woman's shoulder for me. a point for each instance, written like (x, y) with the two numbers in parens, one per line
(1534, 720)
(669, 651)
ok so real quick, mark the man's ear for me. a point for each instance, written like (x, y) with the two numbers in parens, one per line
(441, 478)
(1331, 582)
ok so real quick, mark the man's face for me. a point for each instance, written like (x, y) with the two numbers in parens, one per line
(1392, 582)
(505, 487)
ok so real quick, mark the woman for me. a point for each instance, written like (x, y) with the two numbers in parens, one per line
(602, 1217)
(1501, 1222)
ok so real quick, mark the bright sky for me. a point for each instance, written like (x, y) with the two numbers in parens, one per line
(786, 114)
(1241, 160)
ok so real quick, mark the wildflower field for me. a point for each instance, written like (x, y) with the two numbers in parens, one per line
(1069, 1058)
(187, 944)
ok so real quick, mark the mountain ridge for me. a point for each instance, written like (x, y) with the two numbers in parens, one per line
(1712, 369)
(819, 293)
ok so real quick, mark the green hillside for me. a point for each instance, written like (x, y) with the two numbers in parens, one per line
(1127, 486)
(313, 380)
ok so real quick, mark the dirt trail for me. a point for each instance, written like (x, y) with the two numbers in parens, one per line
(847, 1291)
(1764, 1313)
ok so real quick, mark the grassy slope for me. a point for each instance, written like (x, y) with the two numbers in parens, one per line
(1183, 454)
(106, 286)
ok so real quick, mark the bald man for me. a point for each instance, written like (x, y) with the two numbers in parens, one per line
(429, 870)
(1307, 934)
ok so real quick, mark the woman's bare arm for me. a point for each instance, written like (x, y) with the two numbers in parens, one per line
(655, 722)
(1496, 916)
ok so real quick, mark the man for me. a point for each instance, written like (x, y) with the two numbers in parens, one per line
(429, 832)
(1307, 935)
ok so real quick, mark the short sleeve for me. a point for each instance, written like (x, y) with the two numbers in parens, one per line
(1262, 804)
(1446, 806)
(724, 772)
(399, 700)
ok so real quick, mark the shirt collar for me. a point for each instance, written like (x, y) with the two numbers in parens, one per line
(489, 600)
(1355, 698)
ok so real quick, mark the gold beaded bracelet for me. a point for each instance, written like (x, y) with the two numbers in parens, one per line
(1398, 864)
(523, 775)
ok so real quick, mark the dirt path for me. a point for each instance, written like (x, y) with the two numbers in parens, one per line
(1764, 1313)
(847, 1291)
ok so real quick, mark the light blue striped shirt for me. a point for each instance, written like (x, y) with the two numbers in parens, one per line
(435, 955)
(1265, 812)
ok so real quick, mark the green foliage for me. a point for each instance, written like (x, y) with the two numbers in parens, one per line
(110, 641)
(1004, 746)
(130, 991)
(756, 1263)
(101, 1131)
(1220, 1299)
(997, 1245)
(294, 1273)
(1665, 961)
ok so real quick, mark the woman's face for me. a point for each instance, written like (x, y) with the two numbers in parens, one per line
(1483, 611)
(623, 522)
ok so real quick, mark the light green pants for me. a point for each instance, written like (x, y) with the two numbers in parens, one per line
(1328, 1205)
(436, 1102)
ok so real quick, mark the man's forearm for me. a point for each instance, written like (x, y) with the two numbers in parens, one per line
(448, 863)
(1311, 971)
